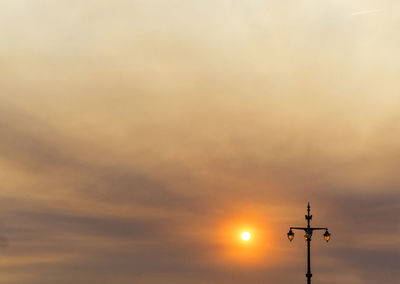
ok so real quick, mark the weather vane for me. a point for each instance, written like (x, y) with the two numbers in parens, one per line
(308, 234)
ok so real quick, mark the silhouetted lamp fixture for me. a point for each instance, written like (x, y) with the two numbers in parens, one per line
(308, 234)
(290, 235)
(327, 236)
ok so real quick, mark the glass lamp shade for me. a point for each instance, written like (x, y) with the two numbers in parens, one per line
(290, 235)
(327, 236)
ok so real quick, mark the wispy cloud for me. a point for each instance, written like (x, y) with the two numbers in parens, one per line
(364, 12)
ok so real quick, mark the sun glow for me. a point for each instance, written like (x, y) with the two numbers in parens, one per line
(246, 236)
(243, 241)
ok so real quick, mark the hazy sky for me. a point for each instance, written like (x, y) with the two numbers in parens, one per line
(140, 138)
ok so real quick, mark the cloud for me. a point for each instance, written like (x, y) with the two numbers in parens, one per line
(366, 12)
(135, 135)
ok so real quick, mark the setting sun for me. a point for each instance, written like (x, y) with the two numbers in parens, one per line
(246, 236)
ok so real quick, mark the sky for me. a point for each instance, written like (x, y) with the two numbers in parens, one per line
(140, 138)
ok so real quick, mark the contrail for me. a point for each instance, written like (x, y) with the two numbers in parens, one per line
(366, 12)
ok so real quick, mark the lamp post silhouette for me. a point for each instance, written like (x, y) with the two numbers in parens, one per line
(308, 234)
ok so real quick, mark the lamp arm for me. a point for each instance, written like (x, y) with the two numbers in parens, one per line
(315, 229)
(297, 228)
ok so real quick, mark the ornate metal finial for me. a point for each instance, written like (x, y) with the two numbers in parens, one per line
(308, 216)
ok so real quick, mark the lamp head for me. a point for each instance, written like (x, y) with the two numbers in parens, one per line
(327, 236)
(307, 236)
(290, 235)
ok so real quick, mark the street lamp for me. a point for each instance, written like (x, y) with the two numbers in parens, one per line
(308, 234)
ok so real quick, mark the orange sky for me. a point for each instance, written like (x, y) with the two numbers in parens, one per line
(140, 138)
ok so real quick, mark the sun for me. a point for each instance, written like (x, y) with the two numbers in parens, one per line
(246, 236)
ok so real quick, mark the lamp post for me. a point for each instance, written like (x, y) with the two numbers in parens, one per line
(308, 234)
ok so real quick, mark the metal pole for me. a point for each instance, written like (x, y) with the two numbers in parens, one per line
(309, 275)
(308, 233)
